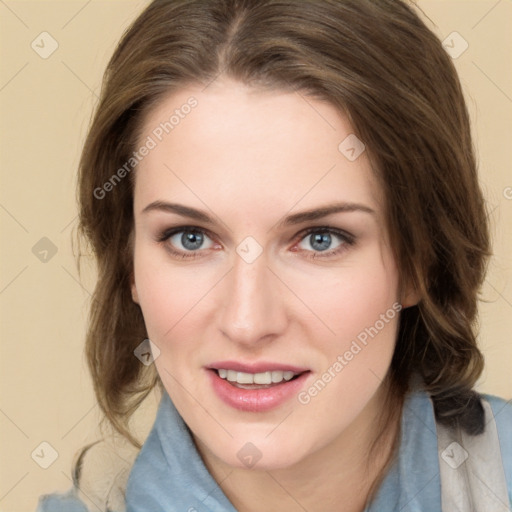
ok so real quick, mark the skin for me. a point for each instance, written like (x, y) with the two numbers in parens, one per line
(249, 158)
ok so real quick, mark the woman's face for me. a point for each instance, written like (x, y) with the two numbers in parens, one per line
(276, 325)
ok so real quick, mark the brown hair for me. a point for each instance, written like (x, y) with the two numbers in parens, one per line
(378, 63)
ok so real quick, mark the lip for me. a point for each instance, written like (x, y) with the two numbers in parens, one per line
(256, 400)
(260, 367)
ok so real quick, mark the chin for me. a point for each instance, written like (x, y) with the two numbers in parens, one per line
(259, 451)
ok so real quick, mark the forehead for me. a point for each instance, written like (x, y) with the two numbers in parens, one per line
(229, 140)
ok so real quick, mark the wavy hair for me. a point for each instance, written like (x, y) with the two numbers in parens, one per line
(378, 63)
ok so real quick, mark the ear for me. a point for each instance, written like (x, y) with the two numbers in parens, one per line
(135, 295)
(409, 296)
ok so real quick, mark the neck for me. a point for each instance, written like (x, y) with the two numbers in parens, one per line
(340, 476)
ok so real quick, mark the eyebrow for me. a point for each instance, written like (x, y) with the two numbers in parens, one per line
(290, 220)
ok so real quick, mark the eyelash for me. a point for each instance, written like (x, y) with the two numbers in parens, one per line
(346, 239)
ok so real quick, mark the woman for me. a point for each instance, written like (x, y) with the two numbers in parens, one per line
(282, 196)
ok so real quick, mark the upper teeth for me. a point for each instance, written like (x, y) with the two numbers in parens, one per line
(255, 378)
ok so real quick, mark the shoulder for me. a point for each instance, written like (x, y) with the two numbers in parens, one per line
(61, 502)
(502, 412)
(421, 427)
(99, 480)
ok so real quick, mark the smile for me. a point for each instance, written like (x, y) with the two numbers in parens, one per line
(242, 379)
(264, 388)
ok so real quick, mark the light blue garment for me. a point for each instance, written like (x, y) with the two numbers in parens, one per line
(170, 476)
(61, 502)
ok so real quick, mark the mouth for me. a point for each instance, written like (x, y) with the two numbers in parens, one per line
(256, 388)
(260, 380)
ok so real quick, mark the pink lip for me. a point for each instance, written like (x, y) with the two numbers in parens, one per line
(256, 400)
(260, 367)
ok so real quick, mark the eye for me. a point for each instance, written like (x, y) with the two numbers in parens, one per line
(321, 240)
(187, 240)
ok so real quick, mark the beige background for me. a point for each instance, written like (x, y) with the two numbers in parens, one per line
(46, 393)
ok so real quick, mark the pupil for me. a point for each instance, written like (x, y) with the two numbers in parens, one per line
(325, 238)
(191, 240)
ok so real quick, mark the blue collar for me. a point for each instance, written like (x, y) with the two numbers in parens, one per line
(413, 482)
(170, 476)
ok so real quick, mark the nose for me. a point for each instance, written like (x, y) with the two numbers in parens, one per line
(252, 306)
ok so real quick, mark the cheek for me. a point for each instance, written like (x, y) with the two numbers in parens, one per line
(156, 287)
(170, 310)
(172, 298)
(363, 312)
(367, 300)
(350, 299)
(344, 301)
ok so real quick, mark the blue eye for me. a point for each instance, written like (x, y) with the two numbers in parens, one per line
(192, 241)
(320, 239)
